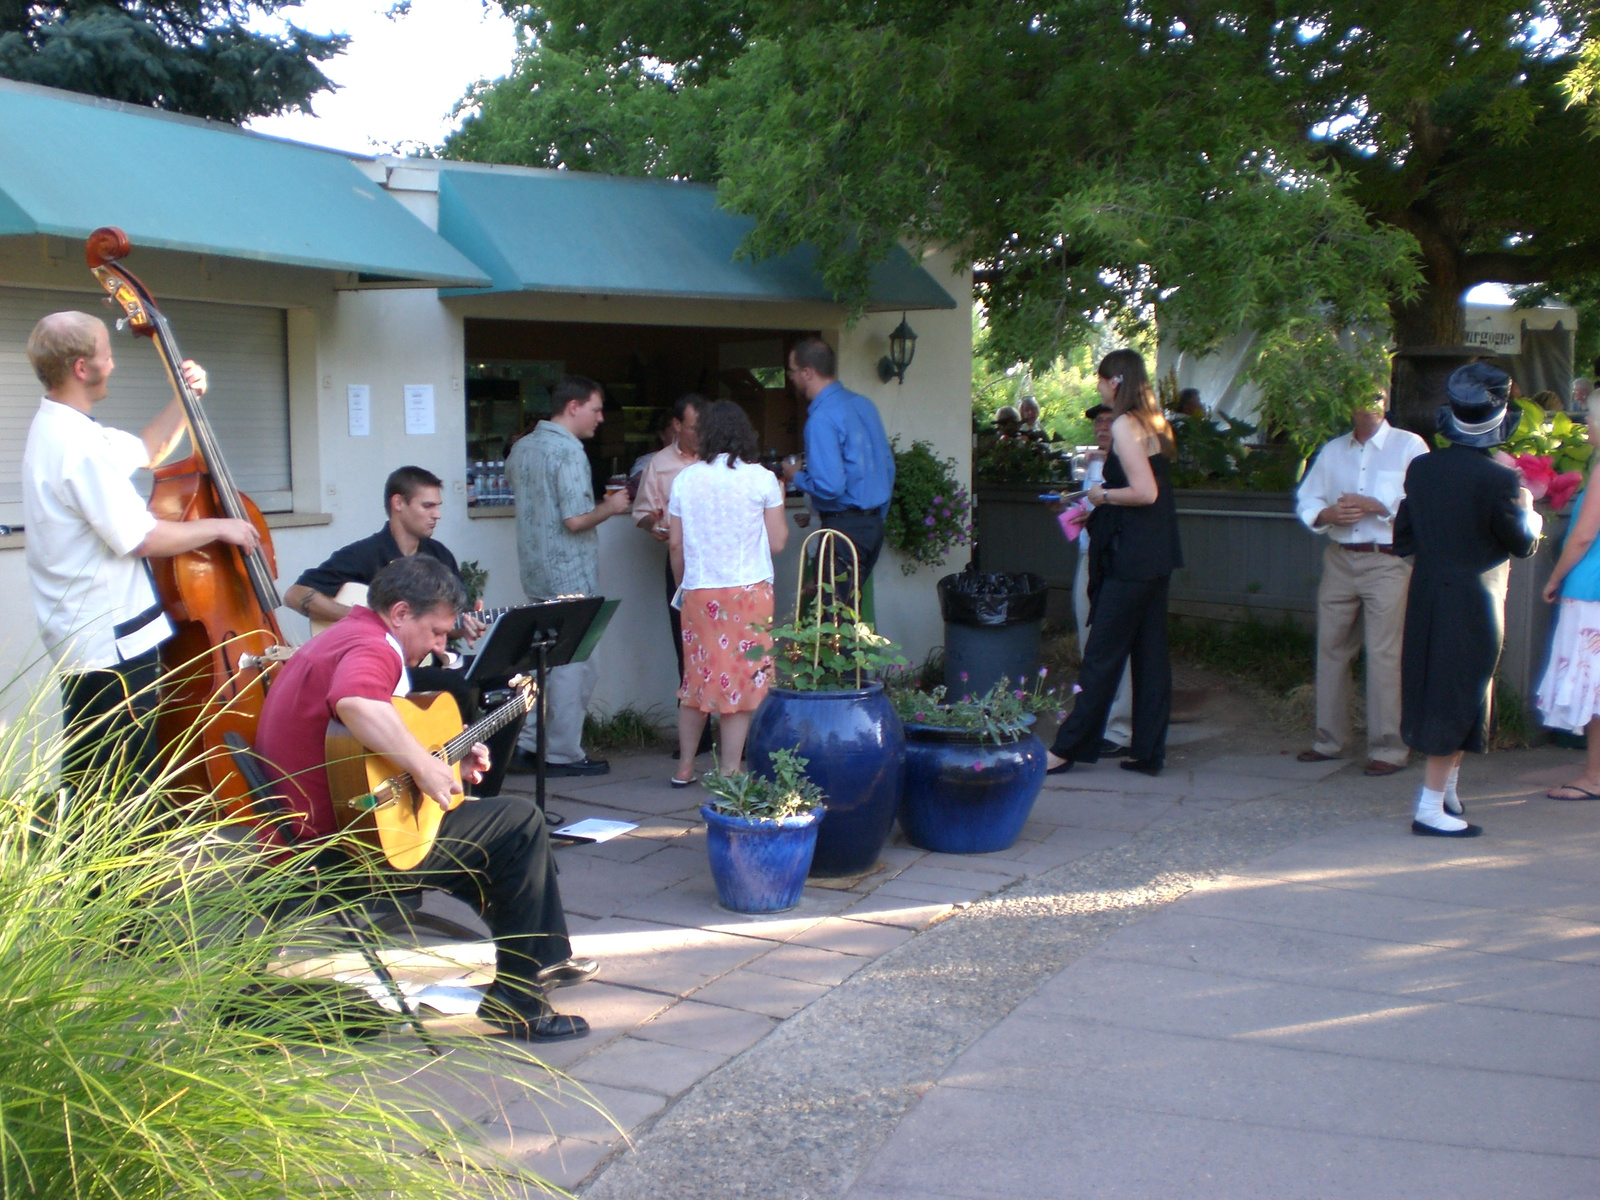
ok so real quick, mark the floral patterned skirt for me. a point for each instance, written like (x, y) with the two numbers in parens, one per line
(719, 626)
(1569, 695)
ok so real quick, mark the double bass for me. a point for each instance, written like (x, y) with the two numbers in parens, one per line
(221, 599)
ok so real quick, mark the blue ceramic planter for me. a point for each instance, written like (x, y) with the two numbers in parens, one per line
(967, 796)
(855, 746)
(759, 866)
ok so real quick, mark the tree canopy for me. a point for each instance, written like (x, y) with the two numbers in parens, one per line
(1224, 164)
(198, 57)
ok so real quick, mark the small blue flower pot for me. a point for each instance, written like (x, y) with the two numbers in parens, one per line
(760, 866)
(964, 795)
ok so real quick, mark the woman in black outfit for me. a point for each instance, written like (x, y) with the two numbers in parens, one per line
(1133, 550)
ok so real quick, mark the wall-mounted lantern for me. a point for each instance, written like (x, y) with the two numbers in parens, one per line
(902, 349)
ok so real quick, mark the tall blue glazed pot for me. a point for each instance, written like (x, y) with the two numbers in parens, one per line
(965, 795)
(759, 866)
(856, 746)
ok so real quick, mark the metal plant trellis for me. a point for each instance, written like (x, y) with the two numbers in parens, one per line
(827, 615)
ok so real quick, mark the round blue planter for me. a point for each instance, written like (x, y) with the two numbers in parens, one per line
(759, 866)
(855, 746)
(967, 796)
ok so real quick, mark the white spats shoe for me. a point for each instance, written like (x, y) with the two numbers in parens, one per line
(1431, 820)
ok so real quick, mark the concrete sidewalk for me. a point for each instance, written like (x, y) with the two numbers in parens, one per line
(1364, 1014)
(1272, 989)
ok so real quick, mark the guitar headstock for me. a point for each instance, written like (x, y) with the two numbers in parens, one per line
(106, 246)
(524, 685)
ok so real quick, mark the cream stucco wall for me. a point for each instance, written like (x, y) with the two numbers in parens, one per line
(388, 339)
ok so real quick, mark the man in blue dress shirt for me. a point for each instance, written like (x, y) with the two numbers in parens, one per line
(849, 469)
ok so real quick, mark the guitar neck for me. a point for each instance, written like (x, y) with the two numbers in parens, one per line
(458, 747)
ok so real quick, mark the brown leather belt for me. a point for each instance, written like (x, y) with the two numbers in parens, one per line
(1367, 547)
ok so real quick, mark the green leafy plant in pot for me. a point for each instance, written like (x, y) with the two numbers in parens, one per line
(973, 768)
(829, 706)
(761, 834)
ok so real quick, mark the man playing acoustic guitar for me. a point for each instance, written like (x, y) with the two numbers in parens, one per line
(493, 853)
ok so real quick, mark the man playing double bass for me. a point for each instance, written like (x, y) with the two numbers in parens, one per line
(88, 534)
(492, 852)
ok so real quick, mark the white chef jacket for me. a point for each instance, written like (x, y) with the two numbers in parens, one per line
(83, 519)
(1376, 469)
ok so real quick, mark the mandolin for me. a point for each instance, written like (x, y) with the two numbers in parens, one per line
(379, 805)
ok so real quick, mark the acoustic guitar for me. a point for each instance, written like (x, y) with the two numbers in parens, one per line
(381, 805)
(354, 595)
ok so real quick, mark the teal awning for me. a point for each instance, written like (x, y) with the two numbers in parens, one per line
(70, 163)
(571, 231)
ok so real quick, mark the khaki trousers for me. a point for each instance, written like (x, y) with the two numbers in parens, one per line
(1360, 589)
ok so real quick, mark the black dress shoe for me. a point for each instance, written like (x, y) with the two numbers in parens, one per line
(527, 1018)
(567, 972)
(584, 766)
(1421, 830)
(1145, 766)
(1061, 770)
(1110, 749)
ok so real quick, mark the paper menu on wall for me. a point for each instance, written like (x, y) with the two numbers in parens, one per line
(359, 398)
(419, 408)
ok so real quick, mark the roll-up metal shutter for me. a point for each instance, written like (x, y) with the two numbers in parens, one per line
(243, 349)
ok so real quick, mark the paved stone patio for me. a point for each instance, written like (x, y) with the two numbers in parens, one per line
(685, 986)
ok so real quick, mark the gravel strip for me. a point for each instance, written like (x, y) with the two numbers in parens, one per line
(799, 1114)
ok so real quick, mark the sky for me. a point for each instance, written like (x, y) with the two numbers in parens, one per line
(399, 78)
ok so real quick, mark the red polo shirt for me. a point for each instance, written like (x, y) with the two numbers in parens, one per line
(356, 657)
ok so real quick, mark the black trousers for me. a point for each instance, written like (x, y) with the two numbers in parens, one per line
(494, 854)
(675, 619)
(865, 529)
(501, 746)
(1130, 625)
(110, 722)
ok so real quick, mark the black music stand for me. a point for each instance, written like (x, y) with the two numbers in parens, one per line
(539, 638)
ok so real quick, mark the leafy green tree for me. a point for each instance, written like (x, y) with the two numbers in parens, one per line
(1219, 164)
(198, 57)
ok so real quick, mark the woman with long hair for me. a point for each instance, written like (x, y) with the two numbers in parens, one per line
(725, 521)
(1133, 550)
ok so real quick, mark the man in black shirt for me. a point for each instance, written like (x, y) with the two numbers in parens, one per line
(412, 497)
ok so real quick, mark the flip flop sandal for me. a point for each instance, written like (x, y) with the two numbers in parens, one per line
(1583, 793)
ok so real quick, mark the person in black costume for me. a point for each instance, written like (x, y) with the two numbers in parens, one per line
(1462, 518)
(1133, 550)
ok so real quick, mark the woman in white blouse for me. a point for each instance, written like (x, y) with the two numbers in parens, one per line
(725, 518)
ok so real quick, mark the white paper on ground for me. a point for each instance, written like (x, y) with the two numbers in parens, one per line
(452, 997)
(595, 829)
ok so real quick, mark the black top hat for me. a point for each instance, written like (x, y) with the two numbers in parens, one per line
(1478, 412)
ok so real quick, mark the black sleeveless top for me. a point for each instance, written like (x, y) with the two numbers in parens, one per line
(1135, 542)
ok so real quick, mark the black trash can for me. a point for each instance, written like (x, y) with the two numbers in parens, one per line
(991, 629)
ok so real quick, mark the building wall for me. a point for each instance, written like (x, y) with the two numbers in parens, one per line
(389, 339)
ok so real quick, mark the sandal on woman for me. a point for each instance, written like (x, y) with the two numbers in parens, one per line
(682, 783)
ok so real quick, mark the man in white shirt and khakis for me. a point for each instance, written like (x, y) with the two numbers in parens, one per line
(88, 533)
(1352, 493)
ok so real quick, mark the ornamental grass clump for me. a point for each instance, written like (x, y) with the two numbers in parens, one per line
(153, 1043)
(788, 793)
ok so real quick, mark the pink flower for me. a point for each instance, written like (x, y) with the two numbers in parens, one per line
(1537, 470)
(712, 609)
(723, 641)
(724, 681)
(977, 765)
(928, 520)
(733, 697)
(759, 679)
(1563, 487)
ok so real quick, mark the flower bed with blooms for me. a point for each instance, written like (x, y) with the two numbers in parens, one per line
(930, 513)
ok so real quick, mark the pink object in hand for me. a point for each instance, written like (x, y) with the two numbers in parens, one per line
(1074, 518)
